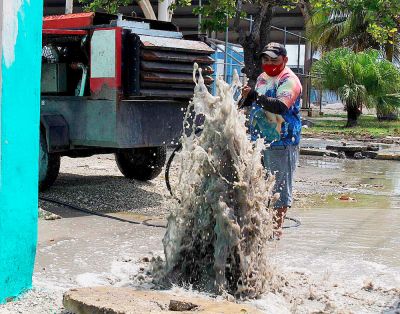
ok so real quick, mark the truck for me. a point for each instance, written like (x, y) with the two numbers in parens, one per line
(114, 84)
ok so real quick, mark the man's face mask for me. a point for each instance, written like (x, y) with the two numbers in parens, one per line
(273, 69)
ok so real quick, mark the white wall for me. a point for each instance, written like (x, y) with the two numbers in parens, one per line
(293, 53)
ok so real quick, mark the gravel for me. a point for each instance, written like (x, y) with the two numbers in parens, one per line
(95, 183)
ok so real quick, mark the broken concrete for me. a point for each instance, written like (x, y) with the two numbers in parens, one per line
(113, 300)
(307, 123)
(391, 140)
(370, 150)
(348, 148)
(388, 156)
(318, 152)
(370, 154)
(180, 306)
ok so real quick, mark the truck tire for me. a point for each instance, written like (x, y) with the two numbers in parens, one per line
(142, 164)
(49, 165)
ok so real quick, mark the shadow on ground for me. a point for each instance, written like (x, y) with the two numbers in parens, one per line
(105, 194)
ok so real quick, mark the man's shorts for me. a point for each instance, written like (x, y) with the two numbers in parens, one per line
(282, 162)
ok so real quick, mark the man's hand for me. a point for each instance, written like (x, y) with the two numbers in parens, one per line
(245, 91)
(273, 105)
(249, 95)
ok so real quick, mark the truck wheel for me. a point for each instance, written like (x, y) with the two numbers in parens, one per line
(49, 165)
(141, 163)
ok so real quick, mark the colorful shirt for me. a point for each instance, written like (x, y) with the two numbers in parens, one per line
(276, 129)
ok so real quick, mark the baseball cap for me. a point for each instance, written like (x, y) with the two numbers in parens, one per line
(274, 50)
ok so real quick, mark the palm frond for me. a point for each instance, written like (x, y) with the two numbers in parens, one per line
(359, 78)
(341, 28)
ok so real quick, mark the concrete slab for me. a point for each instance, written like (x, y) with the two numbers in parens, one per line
(348, 148)
(323, 142)
(318, 152)
(388, 156)
(112, 300)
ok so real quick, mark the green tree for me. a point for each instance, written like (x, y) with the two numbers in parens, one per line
(357, 24)
(110, 6)
(218, 14)
(360, 79)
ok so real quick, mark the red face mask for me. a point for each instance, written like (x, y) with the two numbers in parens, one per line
(273, 69)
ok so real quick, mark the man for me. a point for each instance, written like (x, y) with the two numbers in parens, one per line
(275, 117)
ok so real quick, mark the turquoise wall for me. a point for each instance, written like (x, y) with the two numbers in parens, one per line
(19, 105)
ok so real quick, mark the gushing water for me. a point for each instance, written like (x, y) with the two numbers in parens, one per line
(217, 236)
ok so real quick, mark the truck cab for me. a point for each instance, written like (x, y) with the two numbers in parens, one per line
(114, 84)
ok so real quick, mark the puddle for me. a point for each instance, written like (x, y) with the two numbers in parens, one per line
(357, 201)
(372, 183)
(347, 242)
(324, 164)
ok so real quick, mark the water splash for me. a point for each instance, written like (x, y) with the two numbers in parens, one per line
(218, 234)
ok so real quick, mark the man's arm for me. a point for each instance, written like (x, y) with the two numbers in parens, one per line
(273, 105)
(288, 91)
(287, 94)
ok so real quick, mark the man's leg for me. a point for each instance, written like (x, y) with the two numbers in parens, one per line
(281, 162)
(279, 218)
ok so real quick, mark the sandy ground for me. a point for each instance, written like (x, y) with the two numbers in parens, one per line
(344, 258)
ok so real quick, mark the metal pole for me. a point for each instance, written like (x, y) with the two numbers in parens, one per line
(307, 68)
(199, 27)
(69, 6)
(320, 101)
(309, 72)
(251, 22)
(226, 53)
(298, 53)
(309, 93)
(290, 33)
(284, 38)
(222, 50)
(222, 42)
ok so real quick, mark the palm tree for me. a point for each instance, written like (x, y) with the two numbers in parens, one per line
(344, 28)
(360, 79)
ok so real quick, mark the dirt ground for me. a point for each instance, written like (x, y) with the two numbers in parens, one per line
(344, 258)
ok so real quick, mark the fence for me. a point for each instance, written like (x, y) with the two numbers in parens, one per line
(230, 56)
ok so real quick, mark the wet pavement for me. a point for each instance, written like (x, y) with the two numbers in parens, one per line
(373, 184)
(344, 256)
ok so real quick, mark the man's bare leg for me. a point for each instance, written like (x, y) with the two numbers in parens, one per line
(279, 217)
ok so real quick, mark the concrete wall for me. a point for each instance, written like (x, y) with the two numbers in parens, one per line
(21, 22)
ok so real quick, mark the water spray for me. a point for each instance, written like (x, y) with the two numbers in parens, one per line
(218, 232)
